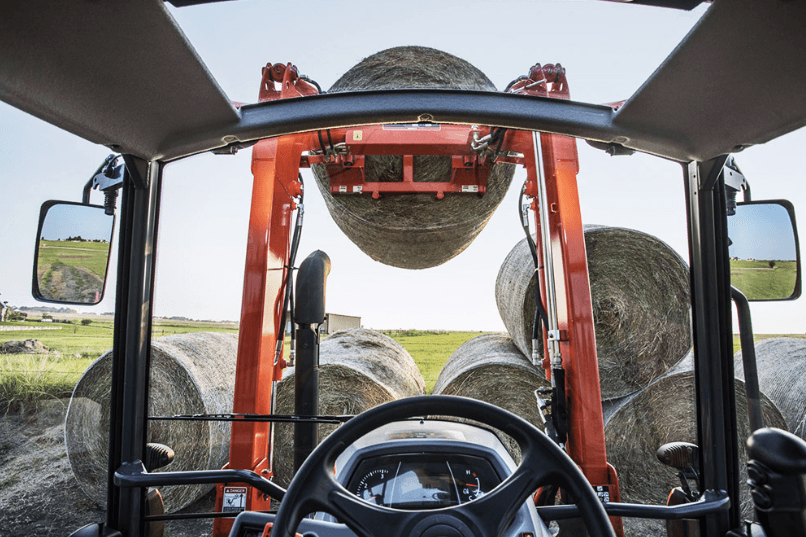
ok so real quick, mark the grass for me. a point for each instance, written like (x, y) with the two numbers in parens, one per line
(90, 255)
(759, 281)
(737, 345)
(27, 378)
(430, 350)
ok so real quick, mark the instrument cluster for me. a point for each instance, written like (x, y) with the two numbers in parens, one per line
(422, 481)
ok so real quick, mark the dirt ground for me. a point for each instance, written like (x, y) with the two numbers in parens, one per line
(38, 493)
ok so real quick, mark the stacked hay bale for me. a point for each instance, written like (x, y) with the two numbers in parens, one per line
(490, 368)
(781, 364)
(358, 369)
(413, 231)
(665, 412)
(190, 374)
(640, 298)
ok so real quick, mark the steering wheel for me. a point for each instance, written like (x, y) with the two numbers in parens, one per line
(314, 487)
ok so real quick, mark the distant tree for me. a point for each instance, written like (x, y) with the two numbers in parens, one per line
(47, 316)
(85, 322)
(772, 264)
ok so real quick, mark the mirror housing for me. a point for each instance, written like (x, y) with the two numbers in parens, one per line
(71, 260)
(764, 250)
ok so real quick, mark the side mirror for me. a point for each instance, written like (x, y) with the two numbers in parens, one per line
(764, 251)
(72, 253)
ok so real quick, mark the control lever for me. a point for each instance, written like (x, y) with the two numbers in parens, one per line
(157, 456)
(683, 457)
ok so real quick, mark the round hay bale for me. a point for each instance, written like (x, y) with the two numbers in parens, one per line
(640, 298)
(490, 368)
(413, 231)
(781, 366)
(661, 413)
(190, 374)
(358, 369)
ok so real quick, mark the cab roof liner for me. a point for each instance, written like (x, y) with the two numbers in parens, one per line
(736, 80)
(122, 74)
(115, 72)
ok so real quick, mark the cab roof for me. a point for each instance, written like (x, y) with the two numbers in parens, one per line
(122, 74)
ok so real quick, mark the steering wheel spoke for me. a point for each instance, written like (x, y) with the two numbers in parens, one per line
(366, 519)
(504, 501)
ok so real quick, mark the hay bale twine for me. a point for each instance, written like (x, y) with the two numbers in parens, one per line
(190, 374)
(661, 413)
(490, 368)
(413, 231)
(358, 369)
(640, 298)
(781, 367)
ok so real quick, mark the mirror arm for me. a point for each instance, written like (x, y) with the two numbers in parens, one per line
(734, 182)
(748, 359)
(108, 178)
(85, 198)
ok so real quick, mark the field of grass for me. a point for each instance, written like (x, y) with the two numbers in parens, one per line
(759, 281)
(91, 255)
(737, 345)
(72, 271)
(430, 350)
(26, 378)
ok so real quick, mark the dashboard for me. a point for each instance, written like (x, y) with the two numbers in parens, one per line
(417, 464)
(422, 481)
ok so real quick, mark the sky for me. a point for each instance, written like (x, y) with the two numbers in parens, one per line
(752, 226)
(89, 223)
(608, 49)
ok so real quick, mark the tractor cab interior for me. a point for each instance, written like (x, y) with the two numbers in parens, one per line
(424, 466)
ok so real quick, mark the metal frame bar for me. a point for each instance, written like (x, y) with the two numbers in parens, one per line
(710, 504)
(712, 338)
(132, 340)
(333, 110)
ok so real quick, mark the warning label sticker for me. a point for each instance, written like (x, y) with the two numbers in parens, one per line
(234, 499)
(603, 493)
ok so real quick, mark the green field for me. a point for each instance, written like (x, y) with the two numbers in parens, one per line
(72, 271)
(90, 255)
(758, 280)
(737, 345)
(28, 378)
(430, 350)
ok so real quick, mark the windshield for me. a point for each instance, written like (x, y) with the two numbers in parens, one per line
(430, 308)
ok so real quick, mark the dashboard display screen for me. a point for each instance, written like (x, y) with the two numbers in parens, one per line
(418, 481)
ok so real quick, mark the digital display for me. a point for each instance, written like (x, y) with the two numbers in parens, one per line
(416, 481)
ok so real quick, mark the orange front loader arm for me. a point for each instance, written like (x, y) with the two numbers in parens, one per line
(275, 165)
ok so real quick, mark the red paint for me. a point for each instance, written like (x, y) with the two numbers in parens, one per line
(345, 168)
(586, 442)
(275, 166)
